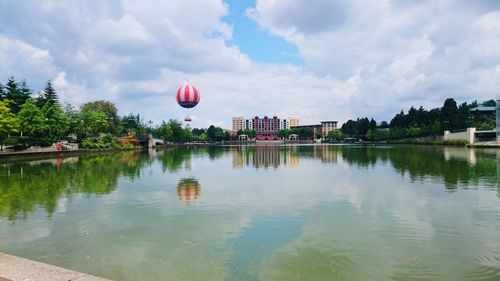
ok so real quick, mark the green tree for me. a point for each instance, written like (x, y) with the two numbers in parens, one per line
(56, 122)
(48, 95)
(31, 119)
(373, 125)
(305, 133)
(349, 128)
(449, 114)
(113, 121)
(203, 137)
(17, 93)
(284, 134)
(91, 122)
(2, 92)
(335, 135)
(489, 103)
(132, 122)
(177, 130)
(8, 122)
(216, 133)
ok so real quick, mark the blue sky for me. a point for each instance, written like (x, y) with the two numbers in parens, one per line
(256, 57)
(259, 44)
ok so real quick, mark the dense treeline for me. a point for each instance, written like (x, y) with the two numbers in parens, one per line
(421, 122)
(27, 119)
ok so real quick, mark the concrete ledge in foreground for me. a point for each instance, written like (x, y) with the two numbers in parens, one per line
(14, 268)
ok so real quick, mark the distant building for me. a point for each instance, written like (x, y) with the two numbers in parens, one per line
(293, 121)
(268, 128)
(482, 110)
(314, 128)
(232, 133)
(328, 126)
(238, 123)
(248, 125)
(284, 124)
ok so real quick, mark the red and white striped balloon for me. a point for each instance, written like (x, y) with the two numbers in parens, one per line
(188, 96)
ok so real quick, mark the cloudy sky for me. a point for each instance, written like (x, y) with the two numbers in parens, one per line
(321, 59)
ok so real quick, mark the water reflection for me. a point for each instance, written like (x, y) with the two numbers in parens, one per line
(26, 185)
(188, 190)
(267, 213)
(174, 159)
(266, 156)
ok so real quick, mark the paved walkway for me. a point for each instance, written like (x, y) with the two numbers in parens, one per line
(14, 268)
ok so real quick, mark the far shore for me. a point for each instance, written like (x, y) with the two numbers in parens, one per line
(52, 153)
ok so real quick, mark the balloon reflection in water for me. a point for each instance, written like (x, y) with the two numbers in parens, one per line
(188, 190)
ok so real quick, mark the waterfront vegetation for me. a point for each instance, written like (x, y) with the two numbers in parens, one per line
(418, 123)
(27, 120)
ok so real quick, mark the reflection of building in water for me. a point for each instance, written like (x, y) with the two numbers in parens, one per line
(264, 156)
(188, 190)
(498, 172)
(459, 153)
(326, 153)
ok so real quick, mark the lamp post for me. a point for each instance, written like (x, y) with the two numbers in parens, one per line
(150, 127)
(47, 122)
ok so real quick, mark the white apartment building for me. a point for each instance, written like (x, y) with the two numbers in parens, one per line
(328, 126)
(284, 124)
(238, 123)
(248, 125)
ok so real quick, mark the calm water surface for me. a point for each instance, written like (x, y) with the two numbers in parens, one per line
(260, 213)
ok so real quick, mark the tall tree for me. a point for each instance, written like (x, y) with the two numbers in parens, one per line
(373, 124)
(8, 122)
(132, 122)
(31, 119)
(17, 93)
(449, 114)
(2, 92)
(56, 122)
(48, 95)
(363, 126)
(490, 103)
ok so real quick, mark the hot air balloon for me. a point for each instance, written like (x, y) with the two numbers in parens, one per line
(188, 96)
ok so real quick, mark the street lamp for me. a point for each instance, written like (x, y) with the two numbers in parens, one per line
(50, 131)
(150, 127)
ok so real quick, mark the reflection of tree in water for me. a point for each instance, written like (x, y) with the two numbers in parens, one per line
(420, 162)
(188, 190)
(25, 186)
(175, 158)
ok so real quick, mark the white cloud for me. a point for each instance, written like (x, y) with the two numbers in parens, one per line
(23, 60)
(370, 61)
(407, 53)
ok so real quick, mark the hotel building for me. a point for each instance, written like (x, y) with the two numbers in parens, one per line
(238, 123)
(267, 127)
(328, 126)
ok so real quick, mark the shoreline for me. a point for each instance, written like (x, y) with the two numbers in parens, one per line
(14, 268)
(35, 155)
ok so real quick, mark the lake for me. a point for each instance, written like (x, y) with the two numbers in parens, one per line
(318, 212)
